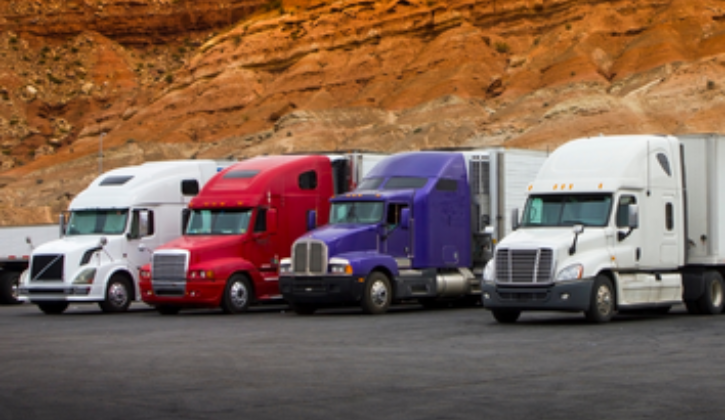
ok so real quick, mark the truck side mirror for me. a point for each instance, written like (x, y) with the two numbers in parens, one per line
(633, 219)
(405, 219)
(272, 220)
(311, 219)
(515, 219)
(62, 223)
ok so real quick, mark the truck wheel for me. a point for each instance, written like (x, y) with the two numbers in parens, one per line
(9, 283)
(237, 295)
(168, 309)
(601, 305)
(118, 295)
(506, 316)
(377, 295)
(302, 309)
(711, 301)
(53, 308)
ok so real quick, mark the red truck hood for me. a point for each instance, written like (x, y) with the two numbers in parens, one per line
(207, 247)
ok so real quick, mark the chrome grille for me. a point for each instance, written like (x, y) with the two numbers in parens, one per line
(309, 257)
(47, 267)
(522, 266)
(299, 257)
(168, 267)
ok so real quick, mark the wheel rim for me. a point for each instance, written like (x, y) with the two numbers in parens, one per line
(379, 293)
(604, 300)
(716, 292)
(117, 295)
(238, 294)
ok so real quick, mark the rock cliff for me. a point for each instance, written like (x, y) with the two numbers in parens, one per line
(163, 79)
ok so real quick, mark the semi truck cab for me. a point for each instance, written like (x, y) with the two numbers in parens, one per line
(605, 228)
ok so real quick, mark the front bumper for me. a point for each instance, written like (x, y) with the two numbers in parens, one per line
(60, 292)
(195, 294)
(570, 296)
(322, 290)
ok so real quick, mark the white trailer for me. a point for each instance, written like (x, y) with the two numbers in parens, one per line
(99, 257)
(614, 224)
(16, 245)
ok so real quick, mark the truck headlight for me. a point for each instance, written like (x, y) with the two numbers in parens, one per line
(285, 268)
(572, 272)
(340, 266)
(489, 272)
(86, 276)
(201, 275)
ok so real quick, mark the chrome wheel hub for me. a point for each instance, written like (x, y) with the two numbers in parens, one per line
(604, 300)
(379, 293)
(117, 294)
(238, 294)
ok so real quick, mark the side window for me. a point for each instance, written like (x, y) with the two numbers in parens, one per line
(140, 225)
(393, 216)
(623, 210)
(669, 216)
(260, 225)
(307, 180)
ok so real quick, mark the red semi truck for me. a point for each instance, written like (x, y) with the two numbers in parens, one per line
(242, 223)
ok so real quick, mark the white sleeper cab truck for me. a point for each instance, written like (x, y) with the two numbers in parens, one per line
(614, 224)
(99, 256)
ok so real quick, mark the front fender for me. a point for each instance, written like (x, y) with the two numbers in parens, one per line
(364, 263)
(225, 267)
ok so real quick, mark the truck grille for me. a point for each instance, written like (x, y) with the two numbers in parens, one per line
(309, 257)
(522, 266)
(47, 267)
(168, 267)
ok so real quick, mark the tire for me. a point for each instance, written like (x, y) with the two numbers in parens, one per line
(302, 309)
(118, 295)
(601, 305)
(53, 308)
(237, 295)
(168, 309)
(9, 283)
(506, 316)
(711, 301)
(377, 295)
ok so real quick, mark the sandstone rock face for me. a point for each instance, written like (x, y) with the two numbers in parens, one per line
(164, 79)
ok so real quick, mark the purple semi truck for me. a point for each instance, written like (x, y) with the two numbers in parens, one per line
(420, 226)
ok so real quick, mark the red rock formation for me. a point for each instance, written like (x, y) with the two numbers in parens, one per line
(320, 75)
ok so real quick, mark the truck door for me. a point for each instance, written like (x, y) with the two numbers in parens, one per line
(397, 242)
(141, 229)
(627, 254)
(263, 251)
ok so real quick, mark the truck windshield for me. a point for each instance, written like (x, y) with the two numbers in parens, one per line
(567, 210)
(219, 222)
(356, 212)
(97, 222)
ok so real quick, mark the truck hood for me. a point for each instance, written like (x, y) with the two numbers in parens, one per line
(72, 245)
(206, 247)
(589, 246)
(343, 238)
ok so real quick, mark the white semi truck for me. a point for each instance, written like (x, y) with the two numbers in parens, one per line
(617, 223)
(98, 258)
(16, 245)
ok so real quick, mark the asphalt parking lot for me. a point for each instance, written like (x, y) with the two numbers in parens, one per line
(339, 364)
